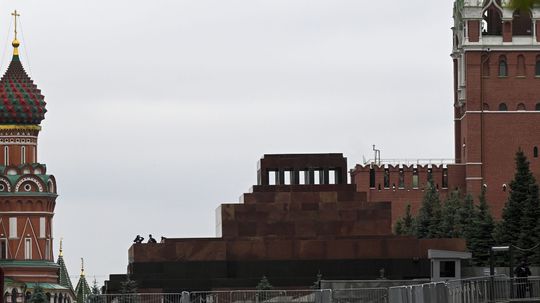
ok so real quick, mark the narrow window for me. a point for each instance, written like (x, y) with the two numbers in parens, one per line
(332, 177)
(272, 177)
(13, 227)
(535, 152)
(3, 248)
(537, 106)
(372, 178)
(537, 67)
(521, 66)
(401, 181)
(317, 177)
(6, 155)
(521, 106)
(430, 175)
(42, 227)
(287, 177)
(302, 177)
(485, 69)
(47, 249)
(386, 178)
(415, 178)
(23, 155)
(28, 248)
(503, 107)
(503, 67)
(445, 178)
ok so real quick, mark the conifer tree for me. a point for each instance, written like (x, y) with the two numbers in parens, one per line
(95, 288)
(466, 216)
(451, 217)
(429, 216)
(517, 209)
(480, 236)
(128, 289)
(38, 296)
(264, 284)
(528, 238)
(405, 225)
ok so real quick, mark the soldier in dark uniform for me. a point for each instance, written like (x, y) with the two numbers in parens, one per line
(522, 283)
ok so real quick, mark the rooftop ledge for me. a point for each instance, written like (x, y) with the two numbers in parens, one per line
(409, 162)
(517, 41)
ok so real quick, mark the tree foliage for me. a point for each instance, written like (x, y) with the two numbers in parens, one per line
(38, 296)
(520, 214)
(264, 284)
(428, 221)
(95, 288)
(405, 226)
(523, 4)
(480, 235)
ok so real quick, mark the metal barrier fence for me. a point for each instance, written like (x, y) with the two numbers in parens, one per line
(359, 295)
(475, 290)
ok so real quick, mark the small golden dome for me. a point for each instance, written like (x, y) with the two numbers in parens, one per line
(15, 43)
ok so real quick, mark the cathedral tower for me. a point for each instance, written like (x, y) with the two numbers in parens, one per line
(27, 192)
(496, 57)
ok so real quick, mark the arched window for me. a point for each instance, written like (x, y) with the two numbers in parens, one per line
(521, 106)
(537, 67)
(522, 23)
(503, 107)
(485, 68)
(537, 106)
(503, 67)
(486, 106)
(520, 66)
(535, 152)
(492, 21)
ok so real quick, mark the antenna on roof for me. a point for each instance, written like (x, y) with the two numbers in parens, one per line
(377, 155)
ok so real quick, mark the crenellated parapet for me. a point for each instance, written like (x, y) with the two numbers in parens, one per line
(399, 177)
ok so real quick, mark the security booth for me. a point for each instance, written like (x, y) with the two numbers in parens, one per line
(446, 264)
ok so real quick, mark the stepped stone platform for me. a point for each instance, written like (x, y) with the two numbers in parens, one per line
(306, 220)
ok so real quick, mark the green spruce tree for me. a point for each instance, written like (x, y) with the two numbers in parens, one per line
(451, 215)
(405, 226)
(428, 221)
(528, 238)
(264, 284)
(38, 296)
(95, 288)
(128, 291)
(480, 238)
(466, 216)
(518, 207)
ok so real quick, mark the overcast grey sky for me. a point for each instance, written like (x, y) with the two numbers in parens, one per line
(159, 110)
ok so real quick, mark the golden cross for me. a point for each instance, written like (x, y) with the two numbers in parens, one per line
(15, 15)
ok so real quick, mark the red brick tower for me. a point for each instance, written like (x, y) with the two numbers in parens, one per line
(497, 93)
(27, 192)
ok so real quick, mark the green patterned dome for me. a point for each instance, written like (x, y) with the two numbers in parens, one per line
(21, 102)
